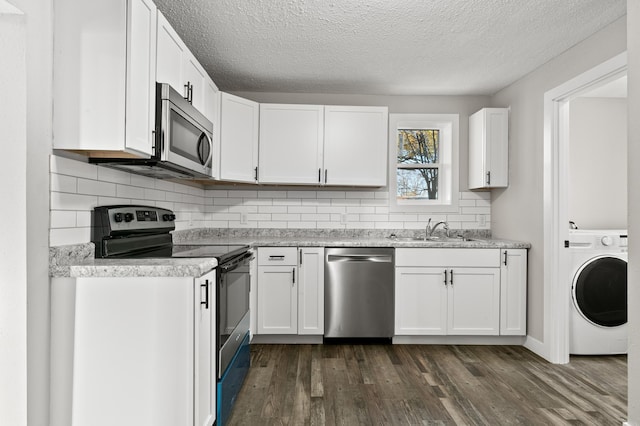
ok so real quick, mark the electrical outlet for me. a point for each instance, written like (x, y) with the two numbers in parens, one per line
(243, 218)
(482, 220)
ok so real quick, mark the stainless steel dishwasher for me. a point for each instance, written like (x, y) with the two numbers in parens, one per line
(359, 292)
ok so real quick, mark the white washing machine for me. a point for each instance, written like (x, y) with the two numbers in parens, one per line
(598, 319)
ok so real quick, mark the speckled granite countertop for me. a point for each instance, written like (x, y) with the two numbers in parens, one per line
(78, 260)
(442, 242)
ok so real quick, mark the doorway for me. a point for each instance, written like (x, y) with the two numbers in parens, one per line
(556, 206)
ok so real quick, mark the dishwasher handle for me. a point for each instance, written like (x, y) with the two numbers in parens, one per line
(379, 258)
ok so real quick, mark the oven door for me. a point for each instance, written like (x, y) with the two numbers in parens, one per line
(233, 308)
(186, 136)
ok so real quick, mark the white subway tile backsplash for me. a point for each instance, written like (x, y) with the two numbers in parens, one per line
(66, 166)
(128, 191)
(96, 187)
(64, 183)
(65, 201)
(77, 187)
(106, 174)
(63, 219)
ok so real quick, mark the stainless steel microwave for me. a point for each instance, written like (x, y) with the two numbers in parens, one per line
(183, 141)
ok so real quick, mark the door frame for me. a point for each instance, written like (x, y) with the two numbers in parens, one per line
(556, 219)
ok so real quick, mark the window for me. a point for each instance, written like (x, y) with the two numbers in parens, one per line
(421, 167)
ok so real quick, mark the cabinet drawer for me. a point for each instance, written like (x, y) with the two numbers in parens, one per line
(274, 256)
(447, 257)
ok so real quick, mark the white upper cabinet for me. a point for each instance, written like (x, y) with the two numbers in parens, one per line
(355, 145)
(489, 148)
(239, 121)
(177, 66)
(104, 76)
(291, 142)
(323, 145)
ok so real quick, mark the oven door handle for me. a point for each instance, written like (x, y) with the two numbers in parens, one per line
(235, 263)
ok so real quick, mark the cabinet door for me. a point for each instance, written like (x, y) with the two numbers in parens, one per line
(473, 301)
(195, 77)
(141, 76)
(277, 300)
(238, 138)
(489, 148)
(212, 113)
(311, 291)
(291, 139)
(513, 292)
(205, 351)
(355, 145)
(171, 51)
(421, 301)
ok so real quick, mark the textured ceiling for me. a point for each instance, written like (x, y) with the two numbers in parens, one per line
(402, 47)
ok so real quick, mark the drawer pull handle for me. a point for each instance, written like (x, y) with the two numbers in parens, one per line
(276, 257)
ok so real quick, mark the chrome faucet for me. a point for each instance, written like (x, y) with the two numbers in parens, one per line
(429, 230)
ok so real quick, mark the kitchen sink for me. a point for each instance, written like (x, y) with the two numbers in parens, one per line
(432, 238)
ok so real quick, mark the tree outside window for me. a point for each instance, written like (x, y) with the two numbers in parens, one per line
(418, 164)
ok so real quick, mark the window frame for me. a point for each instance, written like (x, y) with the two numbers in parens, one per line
(448, 181)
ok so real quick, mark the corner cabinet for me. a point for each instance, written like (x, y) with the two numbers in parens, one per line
(290, 289)
(144, 344)
(239, 121)
(489, 148)
(104, 60)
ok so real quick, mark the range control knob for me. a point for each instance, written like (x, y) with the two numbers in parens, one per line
(128, 217)
(117, 217)
(168, 217)
(606, 241)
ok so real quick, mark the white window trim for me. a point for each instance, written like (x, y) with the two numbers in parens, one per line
(449, 125)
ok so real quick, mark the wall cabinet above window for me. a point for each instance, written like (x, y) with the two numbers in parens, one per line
(104, 77)
(489, 148)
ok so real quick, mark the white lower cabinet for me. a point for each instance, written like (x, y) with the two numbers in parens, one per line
(133, 351)
(311, 291)
(438, 294)
(513, 292)
(290, 291)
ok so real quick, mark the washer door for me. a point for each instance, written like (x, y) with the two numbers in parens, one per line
(600, 291)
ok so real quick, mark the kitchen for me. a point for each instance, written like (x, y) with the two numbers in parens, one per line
(524, 172)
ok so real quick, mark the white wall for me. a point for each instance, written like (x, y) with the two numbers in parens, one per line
(517, 211)
(13, 250)
(598, 163)
(633, 73)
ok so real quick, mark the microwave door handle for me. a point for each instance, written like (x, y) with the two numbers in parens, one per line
(204, 161)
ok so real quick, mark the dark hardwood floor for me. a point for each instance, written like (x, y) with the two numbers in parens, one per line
(355, 384)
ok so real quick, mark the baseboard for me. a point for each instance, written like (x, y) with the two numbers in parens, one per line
(458, 340)
(285, 339)
(537, 347)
